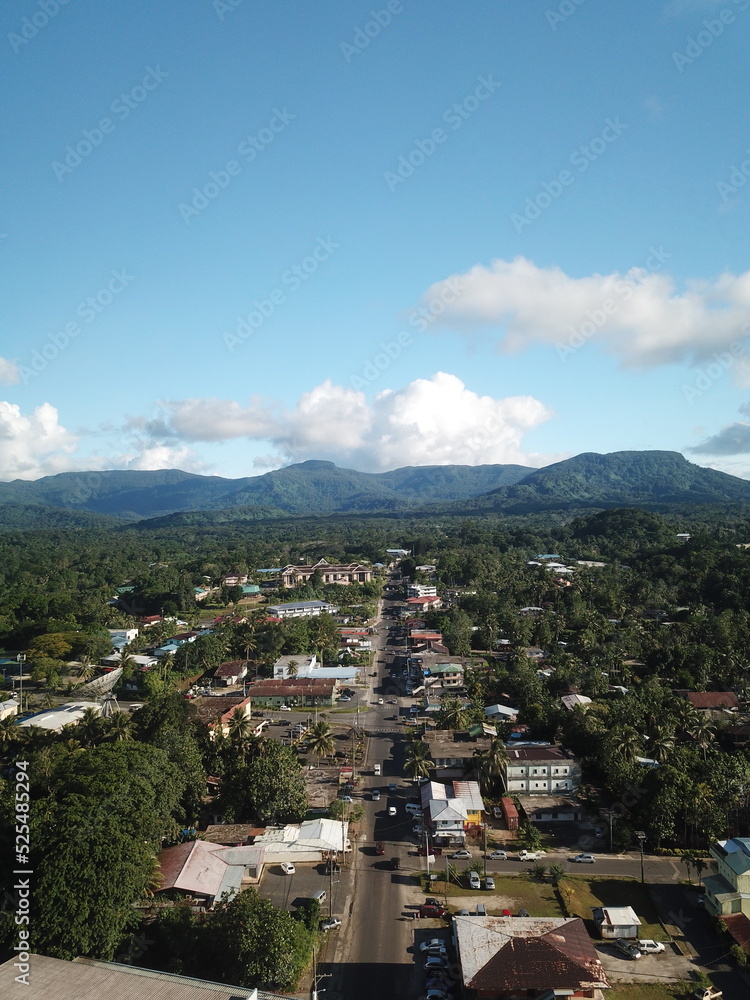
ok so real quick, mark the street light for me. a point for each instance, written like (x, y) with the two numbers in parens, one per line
(641, 837)
(21, 658)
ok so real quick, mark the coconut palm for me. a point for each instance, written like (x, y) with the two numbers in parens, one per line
(417, 761)
(292, 668)
(240, 725)
(119, 727)
(86, 669)
(628, 743)
(661, 744)
(9, 731)
(320, 740)
(491, 762)
(89, 728)
(704, 734)
(452, 714)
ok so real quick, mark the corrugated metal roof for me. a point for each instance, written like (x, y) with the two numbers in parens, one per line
(87, 979)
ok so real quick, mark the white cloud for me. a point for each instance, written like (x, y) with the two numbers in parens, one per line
(150, 456)
(33, 446)
(9, 372)
(435, 421)
(638, 316)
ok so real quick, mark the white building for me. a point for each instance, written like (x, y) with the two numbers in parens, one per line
(541, 771)
(53, 719)
(301, 609)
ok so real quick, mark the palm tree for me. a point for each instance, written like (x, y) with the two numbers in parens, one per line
(491, 762)
(240, 725)
(291, 668)
(320, 740)
(661, 743)
(89, 728)
(120, 727)
(628, 743)
(86, 669)
(417, 762)
(704, 734)
(9, 730)
(452, 714)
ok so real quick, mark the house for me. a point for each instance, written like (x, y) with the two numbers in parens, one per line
(539, 958)
(501, 713)
(445, 675)
(89, 978)
(207, 871)
(423, 603)
(711, 701)
(234, 579)
(296, 665)
(150, 620)
(311, 841)
(231, 673)
(453, 753)
(140, 660)
(570, 701)
(450, 811)
(9, 708)
(297, 576)
(301, 609)
(122, 636)
(728, 888)
(552, 809)
(298, 691)
(541, 771)
(421, 590)
(616, 921)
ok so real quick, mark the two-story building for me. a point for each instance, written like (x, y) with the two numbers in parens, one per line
(421, 590)
(297, 576)
(727, 890)
(451, 811)
(539, 771)
(301, 609)
(451, 754)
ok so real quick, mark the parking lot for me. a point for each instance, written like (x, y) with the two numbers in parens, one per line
(288, 891)
(668, 967)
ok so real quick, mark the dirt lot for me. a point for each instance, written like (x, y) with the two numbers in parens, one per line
(669, 967)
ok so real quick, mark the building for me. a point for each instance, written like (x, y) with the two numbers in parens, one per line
(122, 636)
(298, 576)
(89, 979)
(552, 809)
(423, 603)
(711, 701)
(9, 708)
(293, 691)
(453, 753)
(301, 609)
(570, 701)
(728, 888)
(231, 673)
(206, 871)
(616, 922)
(451, 811)
(541, 771)
(538, 958)
(54, 719)
(311, 841)
(501, 713)
(445, 675)
(421, 590)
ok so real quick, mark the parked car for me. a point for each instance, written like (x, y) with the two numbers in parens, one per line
(474, 881)
(460, 854)
(288, 868)
(497, 856)
(584, 859)
(530, 855)
(380, 847)
(418, 830)
(330, 924)
(395, 864)
(414, 809)
(392, 810)
(375, 795)
(629, 948)
(650, 947)
(422, 850)
(345, 798)
(435, 962)
(489, 883)
(497, 812)
(431, 910)
(433, 944)
(284, 708)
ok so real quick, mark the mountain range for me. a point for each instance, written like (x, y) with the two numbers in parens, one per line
(629, 478)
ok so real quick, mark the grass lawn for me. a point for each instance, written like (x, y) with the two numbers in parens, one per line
(513, 892)
(584, 893)
(645, 991)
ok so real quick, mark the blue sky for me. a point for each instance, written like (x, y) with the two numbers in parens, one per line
(222, 220)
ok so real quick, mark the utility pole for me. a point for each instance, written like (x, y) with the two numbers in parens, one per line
(641, 837)
(484, 838)
(21, 658)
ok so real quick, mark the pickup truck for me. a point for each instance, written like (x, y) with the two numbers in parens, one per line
(530, 855)
(707, 993)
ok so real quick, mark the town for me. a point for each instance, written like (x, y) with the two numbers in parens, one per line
(479, 769)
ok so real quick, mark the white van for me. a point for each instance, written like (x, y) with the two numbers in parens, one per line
(376, 769)
(413, 809)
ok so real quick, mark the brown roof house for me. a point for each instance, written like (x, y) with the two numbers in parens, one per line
(207, 871)
(537, 958)
(711, 701)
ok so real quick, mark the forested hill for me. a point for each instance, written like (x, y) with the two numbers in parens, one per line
(637, 478)
(307, 488)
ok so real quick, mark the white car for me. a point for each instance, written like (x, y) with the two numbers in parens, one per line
(584, 859)
(530, 855)
(288, 868)
(380, 701)
(474, 880)
(392, 810)
(651, 947)
(434, 944)
(284, 708)
(375, 795)
(460, 854)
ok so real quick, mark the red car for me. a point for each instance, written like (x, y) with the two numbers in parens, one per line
(431, 910)
(380, 848)
(422, 851)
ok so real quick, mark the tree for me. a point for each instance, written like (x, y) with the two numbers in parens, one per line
(492, 762)
(417, 762)
(451, 714)
(320, 740)
(118, 727)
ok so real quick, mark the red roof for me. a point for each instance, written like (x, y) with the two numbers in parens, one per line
(291, 686)
(233, 668)
(713, 699)
(738, 926)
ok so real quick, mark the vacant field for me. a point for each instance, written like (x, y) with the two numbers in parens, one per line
(584, 893)
(645, 991)
(512, 892)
